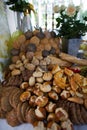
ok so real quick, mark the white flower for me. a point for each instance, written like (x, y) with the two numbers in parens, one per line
(71, 10)
(56, 9)
(63, 7)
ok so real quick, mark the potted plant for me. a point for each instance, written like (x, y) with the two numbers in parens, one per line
(20, 5)
(70, 24)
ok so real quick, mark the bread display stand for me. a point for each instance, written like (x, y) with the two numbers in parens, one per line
(40, 88)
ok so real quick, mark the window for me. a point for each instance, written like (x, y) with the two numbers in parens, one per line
(45, 16)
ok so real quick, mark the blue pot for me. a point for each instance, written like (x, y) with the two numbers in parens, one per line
(73, 46)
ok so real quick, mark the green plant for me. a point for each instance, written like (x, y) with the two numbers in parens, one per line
(84, 71)
(68, 21)
(20, 5)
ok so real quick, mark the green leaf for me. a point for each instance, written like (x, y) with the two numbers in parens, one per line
(58, 24)
(85, 18)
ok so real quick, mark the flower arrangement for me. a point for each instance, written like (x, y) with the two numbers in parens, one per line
(68, 21)
(20, 6)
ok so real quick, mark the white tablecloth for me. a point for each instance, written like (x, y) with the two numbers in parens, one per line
(5, 126)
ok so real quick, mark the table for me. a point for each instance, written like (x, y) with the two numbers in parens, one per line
(26, 126)
(5, 126)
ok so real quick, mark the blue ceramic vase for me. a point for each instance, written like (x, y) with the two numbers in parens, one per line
(73, 46)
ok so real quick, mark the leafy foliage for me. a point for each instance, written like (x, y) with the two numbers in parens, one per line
(20, 5)
(84, 71)
(70, 26)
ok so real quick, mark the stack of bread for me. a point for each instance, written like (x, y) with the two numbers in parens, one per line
(39, 88)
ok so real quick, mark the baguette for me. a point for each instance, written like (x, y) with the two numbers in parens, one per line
(60, 62)
(73, 59)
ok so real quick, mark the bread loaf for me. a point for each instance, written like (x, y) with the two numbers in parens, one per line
(73, 59)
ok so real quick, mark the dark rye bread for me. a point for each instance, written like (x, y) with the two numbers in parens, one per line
(19, 114)
(78, 113)
(60, 103)
(26, 74)
(24, 108)
(83, 113)
(15, 90)
(18, 80)
(11, 81)
(72, 114)
(15, 80)
(12, 119)
(16, 98)
(66, 106)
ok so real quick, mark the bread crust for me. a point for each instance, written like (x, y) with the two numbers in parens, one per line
(72, 59)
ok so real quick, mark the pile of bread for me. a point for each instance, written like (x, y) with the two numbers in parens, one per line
(39, 88)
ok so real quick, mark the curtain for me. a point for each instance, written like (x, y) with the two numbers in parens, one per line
(4, 36)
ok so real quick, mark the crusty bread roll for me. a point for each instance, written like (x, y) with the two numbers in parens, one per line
(35, 40)
(19, 41)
